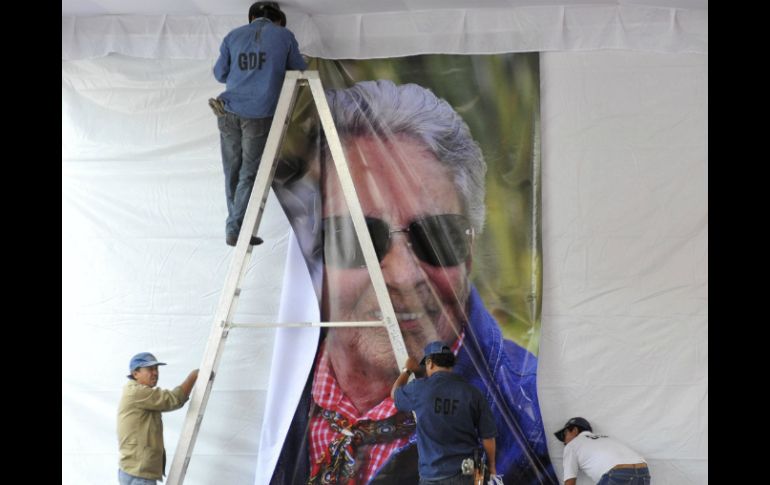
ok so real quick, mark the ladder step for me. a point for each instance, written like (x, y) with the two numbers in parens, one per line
(309, 324)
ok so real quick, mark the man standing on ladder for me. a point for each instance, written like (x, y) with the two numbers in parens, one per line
(253, 60)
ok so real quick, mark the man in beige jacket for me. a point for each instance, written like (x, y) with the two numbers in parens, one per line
(140, 427)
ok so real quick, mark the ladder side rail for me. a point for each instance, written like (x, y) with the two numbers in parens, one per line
(356, 213)
(230, 292)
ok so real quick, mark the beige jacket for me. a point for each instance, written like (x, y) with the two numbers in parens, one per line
(140, 428)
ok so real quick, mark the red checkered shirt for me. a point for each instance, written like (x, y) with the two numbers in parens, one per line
(328, 395)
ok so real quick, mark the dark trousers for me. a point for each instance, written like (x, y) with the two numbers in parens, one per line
(242, 142)
(626, 476)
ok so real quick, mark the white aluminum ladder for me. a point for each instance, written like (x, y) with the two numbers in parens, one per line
(242, 253)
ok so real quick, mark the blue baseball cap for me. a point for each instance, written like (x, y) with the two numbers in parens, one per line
(436, 347)
(143, 359)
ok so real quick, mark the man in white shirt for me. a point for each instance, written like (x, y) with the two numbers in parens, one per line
(606, 461)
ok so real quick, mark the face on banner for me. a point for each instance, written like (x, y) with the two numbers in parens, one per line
(442, 154)
(403, 190)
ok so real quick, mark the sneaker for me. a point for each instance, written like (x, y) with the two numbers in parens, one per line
(217, 106)
(232, 239)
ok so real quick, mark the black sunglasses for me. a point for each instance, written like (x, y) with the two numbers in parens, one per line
(440, 240)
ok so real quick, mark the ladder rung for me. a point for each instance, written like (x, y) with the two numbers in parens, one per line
(309, 324)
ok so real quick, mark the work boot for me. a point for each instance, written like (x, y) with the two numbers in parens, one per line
(232, 239)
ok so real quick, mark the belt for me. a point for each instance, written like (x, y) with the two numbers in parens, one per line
(634, 465)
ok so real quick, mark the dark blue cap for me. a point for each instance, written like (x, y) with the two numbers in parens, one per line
(436, 347)
(581, 423)
(143, 359)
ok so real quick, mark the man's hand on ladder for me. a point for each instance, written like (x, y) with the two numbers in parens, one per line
(217, 106)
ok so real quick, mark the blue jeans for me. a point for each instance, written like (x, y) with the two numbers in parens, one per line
(626, 476)
(242, 141)
(458, 479)
(126, 479)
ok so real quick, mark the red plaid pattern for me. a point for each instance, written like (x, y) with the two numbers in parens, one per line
(328, 395)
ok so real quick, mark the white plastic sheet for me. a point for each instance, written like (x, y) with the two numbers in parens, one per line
(369, 34)
(144, 262)
(625, 245)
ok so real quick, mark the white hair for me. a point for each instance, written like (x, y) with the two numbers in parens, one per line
(384, 109)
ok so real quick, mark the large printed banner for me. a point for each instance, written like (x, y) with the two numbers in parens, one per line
(444, 154)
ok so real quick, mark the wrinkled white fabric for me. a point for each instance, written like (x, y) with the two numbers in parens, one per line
(625, 225)
(368, 34)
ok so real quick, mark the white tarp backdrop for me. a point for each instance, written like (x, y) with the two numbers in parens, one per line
(624, 327)
(495, 29)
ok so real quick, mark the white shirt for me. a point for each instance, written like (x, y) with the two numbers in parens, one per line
(596, 455)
